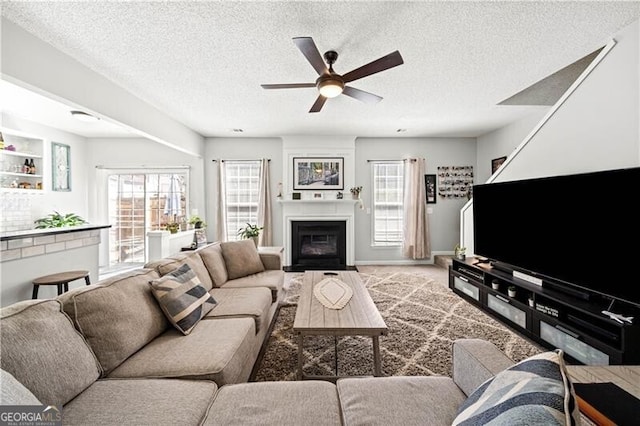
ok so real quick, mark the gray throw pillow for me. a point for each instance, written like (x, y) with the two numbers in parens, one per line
(182, 298)
(241, 258)
(536, 390)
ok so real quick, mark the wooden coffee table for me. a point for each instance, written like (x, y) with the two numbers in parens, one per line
(359, 317)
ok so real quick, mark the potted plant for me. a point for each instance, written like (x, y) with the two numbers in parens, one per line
(511, 291)
(57, 220)
(250, 231)
(173, 227)
(197, 222)
(532, 302)
(355, 192)
(460, 252)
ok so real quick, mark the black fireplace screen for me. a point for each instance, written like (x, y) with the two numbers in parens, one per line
(318, 243)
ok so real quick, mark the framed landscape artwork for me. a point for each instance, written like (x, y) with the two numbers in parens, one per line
(430, 186)
(318, 173)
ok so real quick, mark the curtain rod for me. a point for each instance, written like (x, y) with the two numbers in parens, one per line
(238, 161)
(391, 161)
(143, 167)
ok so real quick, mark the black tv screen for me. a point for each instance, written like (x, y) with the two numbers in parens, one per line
(578, 230)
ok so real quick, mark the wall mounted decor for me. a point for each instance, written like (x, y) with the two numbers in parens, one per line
(318, 173)
(455, 181)
(430, 186)
(496, 163)
(60, 167)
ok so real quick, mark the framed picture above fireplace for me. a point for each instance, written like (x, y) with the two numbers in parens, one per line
(318, 173)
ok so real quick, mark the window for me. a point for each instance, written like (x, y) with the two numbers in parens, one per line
(139, 202)
(242, 190)
(388, 196)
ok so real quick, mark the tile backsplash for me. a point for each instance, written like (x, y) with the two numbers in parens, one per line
(15, 208)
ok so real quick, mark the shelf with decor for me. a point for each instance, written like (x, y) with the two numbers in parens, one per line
(21, 161)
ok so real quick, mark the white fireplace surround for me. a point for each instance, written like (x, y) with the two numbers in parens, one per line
(319, 210)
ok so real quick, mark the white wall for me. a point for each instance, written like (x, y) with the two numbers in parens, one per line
(74, 201)
(136, 153)
(444, 220)
(597, 127)
(242, 149)
(504, 141)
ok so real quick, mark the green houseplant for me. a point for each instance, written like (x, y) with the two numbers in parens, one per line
(250, 231)
(197, 222)
(57, 220)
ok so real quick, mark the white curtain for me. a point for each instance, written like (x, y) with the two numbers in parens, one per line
(264, 206)
(221, 216)
(415, 240)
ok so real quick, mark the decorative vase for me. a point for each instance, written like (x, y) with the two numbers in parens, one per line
(255, 240)
(495, 285)
(511, 292)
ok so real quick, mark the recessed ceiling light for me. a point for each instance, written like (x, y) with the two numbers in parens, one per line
(401, 130)
(84, 117)
(237, 130)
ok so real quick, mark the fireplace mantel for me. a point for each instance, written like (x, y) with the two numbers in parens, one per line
(319, 210)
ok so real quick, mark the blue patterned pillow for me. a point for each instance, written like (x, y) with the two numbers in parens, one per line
(535, 391)
(182, 298)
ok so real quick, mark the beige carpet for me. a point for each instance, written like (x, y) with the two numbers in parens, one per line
(424, 318)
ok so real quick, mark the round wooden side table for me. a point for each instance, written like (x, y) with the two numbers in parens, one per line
(61, 280)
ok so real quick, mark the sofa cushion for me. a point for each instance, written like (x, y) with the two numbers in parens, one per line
(242, 302)
(476, 361)
(12, 392)
(405, 400)
(276, 403)
(118, 316)
(182, 298)
(212, 258)
(193, 259)
(141, 402)
(271, 279)
(40, 348)
(537, 388)
(217, 350)
(241, 258)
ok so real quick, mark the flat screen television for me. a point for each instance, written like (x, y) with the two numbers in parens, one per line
(577, 231)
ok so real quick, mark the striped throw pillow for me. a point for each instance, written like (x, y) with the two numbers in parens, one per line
(535, 391)
(182, 298)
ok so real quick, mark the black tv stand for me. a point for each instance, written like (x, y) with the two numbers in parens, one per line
(572, 321)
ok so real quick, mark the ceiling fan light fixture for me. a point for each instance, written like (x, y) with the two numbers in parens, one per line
(330, 87)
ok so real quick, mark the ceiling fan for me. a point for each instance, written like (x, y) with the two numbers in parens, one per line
(329, 83)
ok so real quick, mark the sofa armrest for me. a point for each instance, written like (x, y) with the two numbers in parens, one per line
(475, 361)
(271, 257)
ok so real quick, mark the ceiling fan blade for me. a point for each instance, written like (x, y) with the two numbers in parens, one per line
(287, 85)
(391, 60)
(361, 95)
(317, 106)
(311, 52)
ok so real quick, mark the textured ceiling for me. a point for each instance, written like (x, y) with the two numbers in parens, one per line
(202, 63)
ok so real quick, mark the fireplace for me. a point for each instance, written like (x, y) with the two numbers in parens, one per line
(318, 245)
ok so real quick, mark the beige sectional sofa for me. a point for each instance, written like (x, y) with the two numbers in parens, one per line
(107, 354)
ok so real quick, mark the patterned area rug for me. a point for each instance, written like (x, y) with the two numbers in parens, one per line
(424, 318)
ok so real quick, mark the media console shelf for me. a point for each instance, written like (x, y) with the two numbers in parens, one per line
(553, 318)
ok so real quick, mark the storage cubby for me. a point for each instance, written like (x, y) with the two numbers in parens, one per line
(549, 316)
